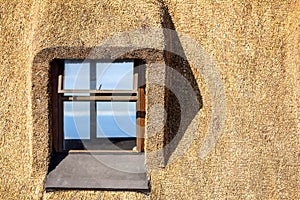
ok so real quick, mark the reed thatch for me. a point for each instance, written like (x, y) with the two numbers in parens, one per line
(253, 44)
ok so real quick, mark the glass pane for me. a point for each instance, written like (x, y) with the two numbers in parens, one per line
(76, 120)
(115, 76)
(76, 77)
(116, 119)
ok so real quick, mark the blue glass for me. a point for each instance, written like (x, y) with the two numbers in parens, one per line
(115, 76)
(76, 120)
(76, 77)
(116, 119)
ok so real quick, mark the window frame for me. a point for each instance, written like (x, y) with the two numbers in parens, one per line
(137, 94)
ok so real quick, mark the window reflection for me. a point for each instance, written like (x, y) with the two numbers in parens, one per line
(116, 119)
(76, 120)
(113, 119)
(77, 77)
(115, 76)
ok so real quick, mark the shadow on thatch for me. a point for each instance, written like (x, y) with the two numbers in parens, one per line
(179, 115)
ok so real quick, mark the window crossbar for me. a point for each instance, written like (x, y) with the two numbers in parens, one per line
(101, 98)
(133, 92)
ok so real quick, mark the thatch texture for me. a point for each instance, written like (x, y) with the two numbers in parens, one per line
(254, 46)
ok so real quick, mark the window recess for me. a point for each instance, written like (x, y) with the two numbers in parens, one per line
(97, 125)
(99, 106)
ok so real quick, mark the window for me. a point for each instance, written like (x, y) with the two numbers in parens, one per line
(98, 111)
(99, 105)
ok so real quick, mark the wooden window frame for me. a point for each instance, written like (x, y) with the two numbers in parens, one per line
(136, 95)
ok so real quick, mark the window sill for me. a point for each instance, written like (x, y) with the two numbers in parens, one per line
(100, 171)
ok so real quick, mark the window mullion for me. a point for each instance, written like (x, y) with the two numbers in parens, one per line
(93, 114)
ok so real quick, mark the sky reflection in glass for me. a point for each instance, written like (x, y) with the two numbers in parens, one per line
(77, 77)
(76, 120)
(115, 76)
(114, 119)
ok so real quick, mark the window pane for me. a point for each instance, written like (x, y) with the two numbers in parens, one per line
(76, 77)
(76, 120)
(116, 119)
(115, 76)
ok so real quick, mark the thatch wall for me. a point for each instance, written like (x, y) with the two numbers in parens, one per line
(253, 44)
